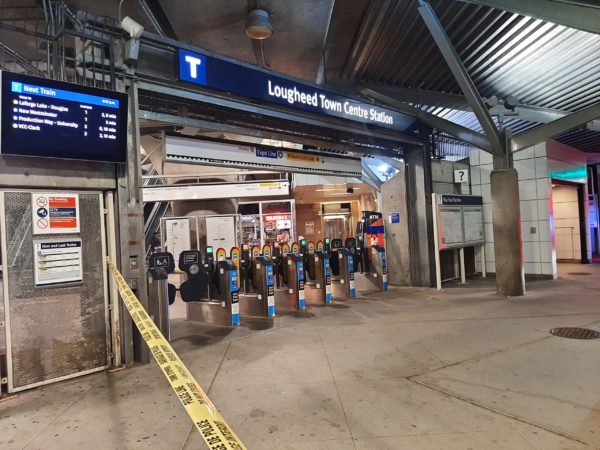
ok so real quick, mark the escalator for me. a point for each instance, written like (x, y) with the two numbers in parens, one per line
(153, 213)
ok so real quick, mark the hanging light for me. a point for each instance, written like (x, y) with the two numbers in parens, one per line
(258, 25)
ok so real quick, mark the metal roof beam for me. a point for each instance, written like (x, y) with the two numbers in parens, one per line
(370, 177)
(463, 133)
(462, 77)
(573, 14)
(543, 132)
(158, 17)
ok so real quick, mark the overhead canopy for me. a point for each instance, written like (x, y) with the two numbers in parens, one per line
(542, 55)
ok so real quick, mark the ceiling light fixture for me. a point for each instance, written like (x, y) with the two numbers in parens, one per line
(258, 25)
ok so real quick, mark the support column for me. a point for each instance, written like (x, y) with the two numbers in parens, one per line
(131, 232)
(420, 228)
(506, 212)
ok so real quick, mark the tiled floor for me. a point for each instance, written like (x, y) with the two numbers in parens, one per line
(405, 369)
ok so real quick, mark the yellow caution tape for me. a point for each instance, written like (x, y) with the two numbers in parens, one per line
(217, 433)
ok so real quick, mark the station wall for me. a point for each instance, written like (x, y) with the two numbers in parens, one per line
(536, 167)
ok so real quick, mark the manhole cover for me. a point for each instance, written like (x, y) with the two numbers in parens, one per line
(575, 333)
(579, 273)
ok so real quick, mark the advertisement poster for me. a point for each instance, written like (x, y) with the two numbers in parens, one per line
(55, 213)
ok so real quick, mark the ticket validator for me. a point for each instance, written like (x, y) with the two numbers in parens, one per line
(161, 293)
(205, 304)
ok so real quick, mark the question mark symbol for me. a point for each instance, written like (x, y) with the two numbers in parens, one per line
(462, 174)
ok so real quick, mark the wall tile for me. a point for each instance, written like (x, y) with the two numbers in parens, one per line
(543, 187)
(474, 157)
(485, 158)
(527, 190)
(490, 254)
(526, 233)
(475, 173)
(541, 168)
(544, 230)
(549, 269)
(524, 154)
(529, 210)
(487, 213)
(533, 268)
(486, 193)
(543, 209)
(546, 252)
(540, 149)
(476, 189)
(490, 266)
(485, 171)
(525, 168)
(489, 232)
(531, 252)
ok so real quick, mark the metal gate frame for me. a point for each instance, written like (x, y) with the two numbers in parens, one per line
(107, 309)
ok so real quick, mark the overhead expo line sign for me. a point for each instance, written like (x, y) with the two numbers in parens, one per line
(247, 82)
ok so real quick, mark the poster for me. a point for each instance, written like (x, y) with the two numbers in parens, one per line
(55, 213)
(177, 237)
(220, 232)
(57, 261)
(309, 228)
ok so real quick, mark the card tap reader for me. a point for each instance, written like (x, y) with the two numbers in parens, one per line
(218, 304)
(245, 265)
(336, 244)
(161, 293)
(194, 288)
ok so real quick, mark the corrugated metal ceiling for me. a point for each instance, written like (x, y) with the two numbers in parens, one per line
(541, 63)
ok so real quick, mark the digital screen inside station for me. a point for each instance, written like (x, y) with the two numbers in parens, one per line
(54, 119)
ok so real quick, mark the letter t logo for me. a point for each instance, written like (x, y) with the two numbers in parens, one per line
(194, 63)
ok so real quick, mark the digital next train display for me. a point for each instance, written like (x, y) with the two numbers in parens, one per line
(61, 120)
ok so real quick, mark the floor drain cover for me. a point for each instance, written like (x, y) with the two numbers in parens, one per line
(575, 333)
(580, 273)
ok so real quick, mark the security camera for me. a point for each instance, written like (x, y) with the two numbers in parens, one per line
(134, 29)
(132, 46)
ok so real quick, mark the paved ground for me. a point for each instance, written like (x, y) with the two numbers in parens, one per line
(405, 369)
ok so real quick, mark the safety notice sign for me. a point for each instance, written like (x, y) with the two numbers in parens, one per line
(55, 213)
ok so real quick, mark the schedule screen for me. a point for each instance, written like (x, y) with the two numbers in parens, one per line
(62, 120)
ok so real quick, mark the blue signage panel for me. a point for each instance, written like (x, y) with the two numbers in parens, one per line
(253, 83)
(50, 118)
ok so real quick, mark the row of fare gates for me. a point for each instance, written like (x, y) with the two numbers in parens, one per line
(220, 288)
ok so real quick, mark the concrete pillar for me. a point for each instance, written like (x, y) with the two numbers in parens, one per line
(510, 275)
(420, 221)
(393, 195)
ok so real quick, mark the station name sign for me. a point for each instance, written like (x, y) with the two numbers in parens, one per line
(257, 84)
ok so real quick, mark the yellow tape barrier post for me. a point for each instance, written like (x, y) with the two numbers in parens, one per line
(217, 433)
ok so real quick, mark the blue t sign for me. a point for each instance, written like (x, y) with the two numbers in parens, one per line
(192, 67)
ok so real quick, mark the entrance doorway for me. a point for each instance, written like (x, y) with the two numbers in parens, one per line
(569, 212)
(338, 225)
